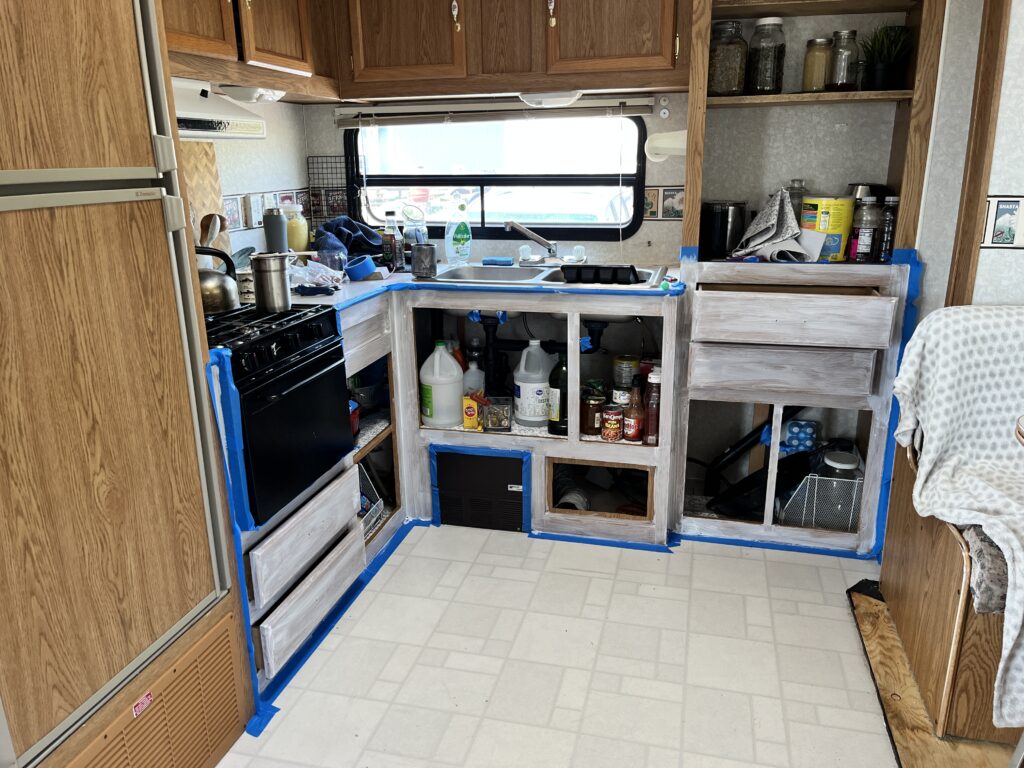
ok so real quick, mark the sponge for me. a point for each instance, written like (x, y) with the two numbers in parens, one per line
(497, 261)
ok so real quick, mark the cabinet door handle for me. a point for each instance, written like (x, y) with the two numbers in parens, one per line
(248, 5)
(455, 15)
(552, 21)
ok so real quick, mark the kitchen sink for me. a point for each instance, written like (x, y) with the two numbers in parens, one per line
(473, 273)
(488, 275)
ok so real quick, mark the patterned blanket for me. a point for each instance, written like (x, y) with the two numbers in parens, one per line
(961, 391)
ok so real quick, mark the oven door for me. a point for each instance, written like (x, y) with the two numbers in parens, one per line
(297, 429)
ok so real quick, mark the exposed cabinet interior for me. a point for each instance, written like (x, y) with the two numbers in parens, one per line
(601, 488)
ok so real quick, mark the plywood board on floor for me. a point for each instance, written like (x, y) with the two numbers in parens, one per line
(909, 724)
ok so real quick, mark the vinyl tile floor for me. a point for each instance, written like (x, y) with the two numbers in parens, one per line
(488, 649)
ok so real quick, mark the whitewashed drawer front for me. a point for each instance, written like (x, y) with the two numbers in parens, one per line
(759, 369)
(287, 552)
(813, 320)
(366, 333)
(294, 620)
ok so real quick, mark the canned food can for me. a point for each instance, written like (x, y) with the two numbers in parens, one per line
(620, 396)
(624, 368)
(834, 217)
(611, 423)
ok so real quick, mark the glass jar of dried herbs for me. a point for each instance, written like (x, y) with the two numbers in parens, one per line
(766, 57)
(727, 59)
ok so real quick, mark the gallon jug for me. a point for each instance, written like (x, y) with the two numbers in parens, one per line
(441, 389)
(472, 379)
(531, 386)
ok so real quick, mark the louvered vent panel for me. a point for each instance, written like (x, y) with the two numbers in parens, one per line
(196, 712)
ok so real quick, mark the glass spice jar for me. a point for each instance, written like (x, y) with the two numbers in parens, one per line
(611, 423)
(727, 59)
(590, 416)
(765, 57)
(817, 61)
(842, 75)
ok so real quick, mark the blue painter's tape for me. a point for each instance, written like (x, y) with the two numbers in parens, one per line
(688, 253)
(585, 344)
(435, 494)
(600, 542)
(502, 316)
(675, 539)
(908, 256)
(473, 315)
(229, 417)
(265, 710)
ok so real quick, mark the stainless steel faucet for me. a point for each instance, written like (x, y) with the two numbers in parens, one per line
(551, 246)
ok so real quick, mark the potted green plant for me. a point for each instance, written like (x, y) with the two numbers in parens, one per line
(886, 52)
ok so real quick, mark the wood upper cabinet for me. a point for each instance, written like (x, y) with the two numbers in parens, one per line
(407, 39)
(610, 35)
(57, 117)
(206, 27)
(276, 34)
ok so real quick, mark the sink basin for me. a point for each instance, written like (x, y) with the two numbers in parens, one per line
(556, 276)
(474, 273)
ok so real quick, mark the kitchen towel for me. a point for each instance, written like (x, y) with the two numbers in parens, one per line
(960, 390)
(772, 235)
(347, 236)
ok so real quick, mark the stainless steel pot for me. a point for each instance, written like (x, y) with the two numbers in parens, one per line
(218, 289)
(270, 279)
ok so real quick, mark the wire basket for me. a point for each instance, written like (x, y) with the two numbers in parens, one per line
(827, 503)
(371, 504)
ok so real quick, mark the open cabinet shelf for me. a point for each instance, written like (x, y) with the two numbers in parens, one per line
(808, 99)
(746, 9)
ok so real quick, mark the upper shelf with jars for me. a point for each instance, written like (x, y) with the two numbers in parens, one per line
(748, 9)
(747, 68)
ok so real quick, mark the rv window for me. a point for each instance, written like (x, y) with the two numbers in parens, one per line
(565, 177)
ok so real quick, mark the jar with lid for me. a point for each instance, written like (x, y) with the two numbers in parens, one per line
(817, 63)
(766, 56)
(298, 227)
(796, 190)
(727, 59)
(838, 501)
(842, 74)
(590, 415)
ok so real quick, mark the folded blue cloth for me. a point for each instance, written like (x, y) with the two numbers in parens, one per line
(497, 261)
(347, 236)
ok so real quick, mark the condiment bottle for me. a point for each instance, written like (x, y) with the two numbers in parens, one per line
(393, 245)
(652, 409)
(817, 62)
(558, 398)
(889, 213)
(866, 233)
(633, 415)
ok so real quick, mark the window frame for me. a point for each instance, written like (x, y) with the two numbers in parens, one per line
(637, 181)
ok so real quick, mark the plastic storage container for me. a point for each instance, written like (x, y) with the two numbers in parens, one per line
(458, 237)
(441, 389)
(472, 379)
(531, 386)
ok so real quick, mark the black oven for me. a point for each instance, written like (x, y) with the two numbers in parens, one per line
(289, 369)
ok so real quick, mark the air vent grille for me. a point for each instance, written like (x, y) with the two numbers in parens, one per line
(195, 714)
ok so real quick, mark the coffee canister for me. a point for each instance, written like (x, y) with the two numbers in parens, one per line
(424, 260)
(270, 279)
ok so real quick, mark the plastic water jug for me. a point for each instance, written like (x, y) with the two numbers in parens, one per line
(441, 389)
(472, 379)
(531, 386)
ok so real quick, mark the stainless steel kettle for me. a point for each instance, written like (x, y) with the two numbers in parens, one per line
(218, 289)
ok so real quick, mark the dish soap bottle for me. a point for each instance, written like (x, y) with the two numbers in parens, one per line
(458, 236)
(558, 398)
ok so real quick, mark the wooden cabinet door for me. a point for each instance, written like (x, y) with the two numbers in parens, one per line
(407, 39)
(206, 27)
(611, 35)
(276, 34)
(104, 546)
(73, 101)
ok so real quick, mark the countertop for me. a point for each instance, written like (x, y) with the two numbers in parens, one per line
(354, 292)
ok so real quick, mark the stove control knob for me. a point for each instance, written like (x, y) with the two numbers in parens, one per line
(290, 342)
(248, 361)
(312, 332)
